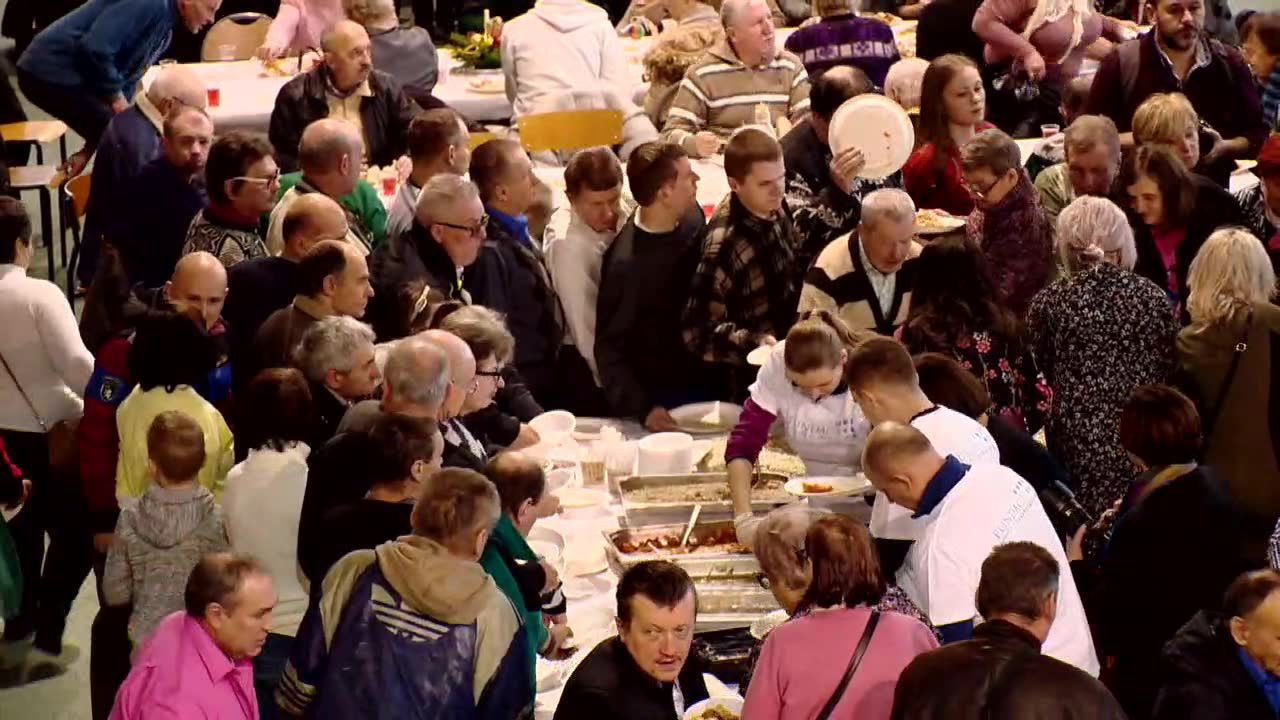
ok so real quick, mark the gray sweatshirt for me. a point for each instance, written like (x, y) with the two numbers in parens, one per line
(158, 542)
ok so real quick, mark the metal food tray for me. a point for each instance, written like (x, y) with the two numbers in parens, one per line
(640, 514)
(704, 568)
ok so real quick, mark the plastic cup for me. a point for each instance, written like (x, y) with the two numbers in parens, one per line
(214, 95)
(1050, 130)
(708, 210)
(389, 185)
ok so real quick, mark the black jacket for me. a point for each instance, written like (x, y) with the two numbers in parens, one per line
(609, 684)
(328, 414)
(509, 277)
(1204, 677)
(360, 525)
(1000, 674)
(1171, 555)
(644, 287)
(395, 266)
(385, 116)
(1211, 208)
(255, 289)
(336, 476)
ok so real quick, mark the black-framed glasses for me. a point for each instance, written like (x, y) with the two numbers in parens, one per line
(489, 373)
(477, 229)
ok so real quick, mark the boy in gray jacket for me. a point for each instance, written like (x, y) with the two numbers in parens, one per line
(161, 538)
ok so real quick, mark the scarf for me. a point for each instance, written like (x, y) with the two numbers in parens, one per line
(1048, 11)
(1271, 101)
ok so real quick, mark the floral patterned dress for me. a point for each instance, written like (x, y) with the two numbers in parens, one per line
(1019, 392)
(1097, 335)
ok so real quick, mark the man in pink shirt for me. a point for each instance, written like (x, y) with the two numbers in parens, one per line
(198, 663)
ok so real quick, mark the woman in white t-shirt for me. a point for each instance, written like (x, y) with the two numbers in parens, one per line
(801, 387)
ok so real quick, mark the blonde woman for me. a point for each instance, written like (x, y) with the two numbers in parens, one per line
(1097, 333)
(1225, 355)
(1168, 119)
(1046, 38)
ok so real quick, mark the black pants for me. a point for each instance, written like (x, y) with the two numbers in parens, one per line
(76, 106)
(49, 583)
(109, 650)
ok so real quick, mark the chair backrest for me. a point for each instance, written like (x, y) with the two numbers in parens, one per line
(77, 190)
(241, 32)
(570, 130)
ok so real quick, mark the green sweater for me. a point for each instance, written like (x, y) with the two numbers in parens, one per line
(363, 202)
(506, 542)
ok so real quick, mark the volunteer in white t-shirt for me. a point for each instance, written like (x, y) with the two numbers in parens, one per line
(801, 386)
(967, 512)
(882, 378)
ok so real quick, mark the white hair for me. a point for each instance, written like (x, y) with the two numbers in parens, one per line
(418, 371)
(890, 202)
(1091, 230)
(1230, 272)
(731, 10)
(903, 81)
(442, 191)
(177, 82)
(370, 13)
(331, 344)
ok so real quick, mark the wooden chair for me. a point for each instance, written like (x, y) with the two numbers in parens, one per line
(44, 179)
(570, 130)
(75, 202)
(242, 31)
(39, 133)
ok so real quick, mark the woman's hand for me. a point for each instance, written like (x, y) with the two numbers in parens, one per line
(267, 52)
(1034, 66)
(1075, 547)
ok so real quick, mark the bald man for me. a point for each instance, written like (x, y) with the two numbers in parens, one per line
(131, 140)
(967, 511)
(461, 449)
(330, 152)
(344, 86)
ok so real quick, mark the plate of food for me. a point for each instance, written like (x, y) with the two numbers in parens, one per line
(706, 418)
(877, 126)
(487, 85)
(936, 222)
(716, 708)
(832, 486)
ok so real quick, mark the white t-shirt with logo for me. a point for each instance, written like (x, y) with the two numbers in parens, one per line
(950, 433)
(827, 434)
(990, 506)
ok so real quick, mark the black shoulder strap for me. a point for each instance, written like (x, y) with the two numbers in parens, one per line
(853, 666)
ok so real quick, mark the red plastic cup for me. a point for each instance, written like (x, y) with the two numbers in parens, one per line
(708, 210)
(389, 185)
(214, 97)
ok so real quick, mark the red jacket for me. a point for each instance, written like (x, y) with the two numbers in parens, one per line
(937, 190)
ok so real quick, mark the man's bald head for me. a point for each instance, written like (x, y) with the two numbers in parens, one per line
(177, 84)
(416, 379)
(330, 153)
(462, 369)
(311, 218)
(347, 55)
(198, 286)
(900, 461)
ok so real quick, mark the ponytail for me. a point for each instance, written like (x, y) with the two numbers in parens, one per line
(818, 339)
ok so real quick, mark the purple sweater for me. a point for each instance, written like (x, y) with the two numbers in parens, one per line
(804, 659)
(865, 43)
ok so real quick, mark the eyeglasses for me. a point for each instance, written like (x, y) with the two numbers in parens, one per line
(980, 193)
(475, 230)
(270, 180)
(491, 373)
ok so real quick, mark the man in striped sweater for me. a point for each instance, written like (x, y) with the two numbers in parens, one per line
(721, 92)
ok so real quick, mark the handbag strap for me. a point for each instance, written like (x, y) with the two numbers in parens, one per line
(854, 662)
(23, 393)
(1211, 417)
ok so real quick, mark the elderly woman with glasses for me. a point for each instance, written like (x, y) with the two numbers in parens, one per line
(1225, 355)
(1007, 222)
(824, 571)
(1097, 333)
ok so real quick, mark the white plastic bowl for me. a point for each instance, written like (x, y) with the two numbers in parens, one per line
(554, 427)
(560, 478)
(669, 453)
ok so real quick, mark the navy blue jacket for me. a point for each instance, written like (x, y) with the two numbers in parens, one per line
(150, 228)
(126, 146)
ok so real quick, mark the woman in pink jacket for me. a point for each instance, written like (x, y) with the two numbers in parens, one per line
(299, 25)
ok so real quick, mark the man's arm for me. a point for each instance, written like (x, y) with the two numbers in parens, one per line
(708, 333)
(128, 21)
(798, 105)
(616, 316)
(687, 115)
(284, 130)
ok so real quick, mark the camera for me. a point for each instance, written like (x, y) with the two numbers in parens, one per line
(1065, 511)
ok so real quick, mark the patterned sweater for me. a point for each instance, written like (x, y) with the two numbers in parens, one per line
(229, 244)
(720, 94)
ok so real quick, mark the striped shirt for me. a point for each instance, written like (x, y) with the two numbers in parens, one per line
(720, 94)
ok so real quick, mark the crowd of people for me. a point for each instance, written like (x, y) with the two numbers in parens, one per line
(286, 430)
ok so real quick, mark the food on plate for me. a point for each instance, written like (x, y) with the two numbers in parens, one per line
(723, 540)
(884, 17)
(717, 712)
(936, 220)
(775, 459)
(766, 491)
(816, 488)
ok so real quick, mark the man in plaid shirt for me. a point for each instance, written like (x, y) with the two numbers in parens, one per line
(746, 286)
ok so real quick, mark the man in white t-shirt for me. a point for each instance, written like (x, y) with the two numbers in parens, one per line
(968, 512)
(884, 383)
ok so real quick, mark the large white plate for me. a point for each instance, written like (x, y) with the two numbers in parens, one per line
(877, 126)
(840, 486)
(690, 418)
(759, 356)
(574, 498)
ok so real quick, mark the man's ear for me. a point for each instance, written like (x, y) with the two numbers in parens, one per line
(1239, 631)
(329, 285)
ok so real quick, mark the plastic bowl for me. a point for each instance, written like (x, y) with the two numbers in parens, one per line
(668, 453)
(554, 427)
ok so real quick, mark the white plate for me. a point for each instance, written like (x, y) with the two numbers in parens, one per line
(689, 417)
(546, 551)
(840, 486)
(542, 533)
(877, 126)
(765, 624)
(733, 704)
(574, 498)
(942, 222)
(759, 356)
(486, 86)
(585, 559)
(587, 586)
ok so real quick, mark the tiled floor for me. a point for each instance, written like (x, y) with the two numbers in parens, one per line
(65, 697)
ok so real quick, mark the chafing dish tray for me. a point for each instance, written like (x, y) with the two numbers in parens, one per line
(713, 554)
(662, 499)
